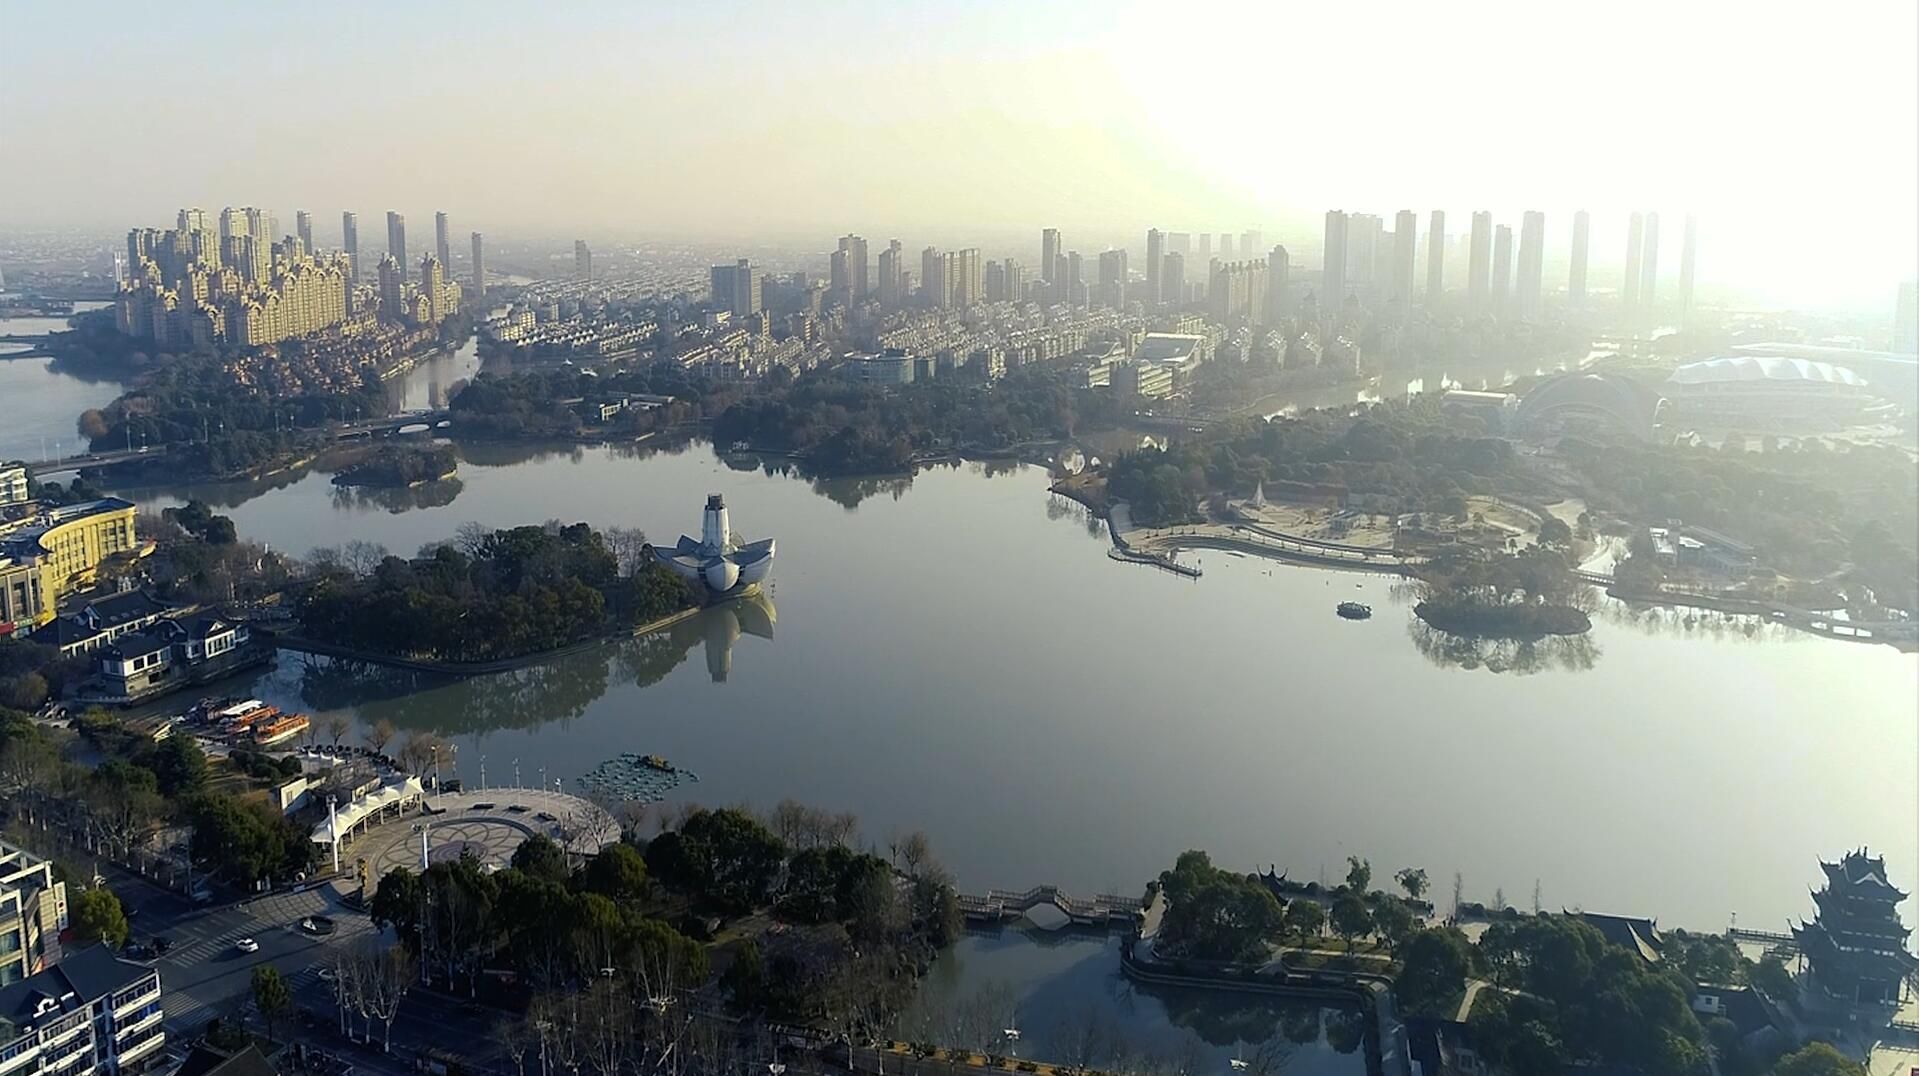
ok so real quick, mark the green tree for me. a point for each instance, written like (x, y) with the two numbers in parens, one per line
(1359, 875)
(1350, 917)
(541, 857)
(397, 903)
(1433, 967)
(1218, 915)
(271, 994)
(96, 916)
(1772, 978)
(179, 765)
(725, 858)
(617, 873)
(1817, 1059)
(745, 978)
(1413, 881)
(1305, 918)
(1394, 921)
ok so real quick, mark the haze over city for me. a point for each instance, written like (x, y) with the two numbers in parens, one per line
(1790, 139)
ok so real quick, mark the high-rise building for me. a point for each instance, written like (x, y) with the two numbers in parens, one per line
(968, 287)
(479, 266)
(1436, 257)
(737, 289)
(1225, 245)
(396, 241)
(1279, 274)
(1405, 255)
(1576, 280)
(1075, 279)
(1333, 276)
(1015, 281)
(582, 260)
(1112, 278)
(1251, 242)
(1236, 291)
(1502, 266)
(350, 242)
(303, 227)
(1205, 249)
(852, 249)
(442, 242)
(1532, 260)
(1635, 248)
(392, 290)
(1155, 263)
(1180, 243)
(1905, 318)
(1363, 231)
(1649, 273)
(995, 281)
(1688, 251)
(1173, 278)
(1050, 252)
(1479, 263)
(936, 278)
(232, 222)
(892, 270)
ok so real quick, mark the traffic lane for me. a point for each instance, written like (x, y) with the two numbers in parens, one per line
(425, 1018)
(287, 948)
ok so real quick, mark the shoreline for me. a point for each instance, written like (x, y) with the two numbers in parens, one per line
(303, 645)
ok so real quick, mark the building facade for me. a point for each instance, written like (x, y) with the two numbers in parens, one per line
(92, 1014)
(1855, 947)
(62, 548)
(33, 912)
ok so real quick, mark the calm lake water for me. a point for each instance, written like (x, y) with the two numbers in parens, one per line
(42, 406)
(955, 653)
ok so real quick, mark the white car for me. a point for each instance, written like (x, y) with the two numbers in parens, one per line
(247, 945)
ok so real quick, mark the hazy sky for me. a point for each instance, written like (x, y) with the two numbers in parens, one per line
(1792, 132)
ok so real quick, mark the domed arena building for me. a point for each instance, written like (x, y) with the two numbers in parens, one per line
(1769, 392)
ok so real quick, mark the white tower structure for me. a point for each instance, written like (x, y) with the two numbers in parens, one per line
(716, 560)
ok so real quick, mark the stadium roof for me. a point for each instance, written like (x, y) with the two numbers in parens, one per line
(1763, 368)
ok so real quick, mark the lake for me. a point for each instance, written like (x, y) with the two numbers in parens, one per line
(955, 653)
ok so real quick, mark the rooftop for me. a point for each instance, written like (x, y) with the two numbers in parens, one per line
(80, 978)
(1756, 368)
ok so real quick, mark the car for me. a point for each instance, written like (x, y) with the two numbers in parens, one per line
(327, 974)
(162, 944)
(247, 945)
(517, 808)
(138, 952)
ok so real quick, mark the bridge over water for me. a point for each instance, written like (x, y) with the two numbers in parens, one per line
(999, 905)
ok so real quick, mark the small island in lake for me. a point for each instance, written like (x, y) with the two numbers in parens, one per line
(396, 467)
(1520, 595)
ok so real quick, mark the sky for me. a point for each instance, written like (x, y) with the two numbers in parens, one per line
(1792, 134)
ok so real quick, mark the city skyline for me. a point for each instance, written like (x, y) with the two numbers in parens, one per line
(1089, 162)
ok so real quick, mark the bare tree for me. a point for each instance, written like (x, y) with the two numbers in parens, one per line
(843, 828)
(360, 556)
(337, 726)
(390, 972)
(915, 852)
(417, 751)
(606, 1026)
(556, 1018)
(470, 538)
(515, 1038)
(628, 546)
(380, 735)
(1084, 1039)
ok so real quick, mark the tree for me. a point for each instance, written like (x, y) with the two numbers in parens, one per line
(337, 726)
(1554, 531)
(1214, 914)
(1350, 917)
(1772, 978)
(745, 978)
(1817, 1059)
(1433, 967)
(380, 735)
(725, 858)
(618, 873)
(1305, 918)
(1394, 921)
(271, 994)
(179, 765)
(96, 916)
(540, 857)
(1412, 880)
(1359, 875)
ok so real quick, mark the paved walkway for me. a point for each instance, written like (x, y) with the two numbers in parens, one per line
(489, 824)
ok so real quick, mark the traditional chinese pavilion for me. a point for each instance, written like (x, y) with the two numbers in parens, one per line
(1855, 947)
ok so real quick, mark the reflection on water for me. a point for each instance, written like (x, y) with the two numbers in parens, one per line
(554, 691)
(1066, 995)
(397, 498)
(1521, 657)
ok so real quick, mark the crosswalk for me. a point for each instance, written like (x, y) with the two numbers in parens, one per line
(204, 975)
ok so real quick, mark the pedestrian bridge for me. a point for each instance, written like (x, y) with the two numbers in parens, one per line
(999, 905)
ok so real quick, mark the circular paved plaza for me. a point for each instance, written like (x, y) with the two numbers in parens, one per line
(486, 824)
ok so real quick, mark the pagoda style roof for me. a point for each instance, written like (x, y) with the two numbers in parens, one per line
(1863, 875)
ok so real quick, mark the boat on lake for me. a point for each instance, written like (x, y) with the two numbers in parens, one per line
(1355, 610)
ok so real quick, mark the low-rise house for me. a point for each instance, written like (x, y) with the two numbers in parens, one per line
(100, 621)
(92, 1014)
(171, 654)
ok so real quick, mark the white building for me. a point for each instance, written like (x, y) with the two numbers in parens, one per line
(92, 1014)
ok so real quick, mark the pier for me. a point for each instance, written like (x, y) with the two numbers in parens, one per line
(1000, 905)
